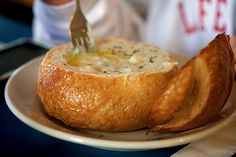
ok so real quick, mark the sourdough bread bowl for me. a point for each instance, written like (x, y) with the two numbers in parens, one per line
(109, 89)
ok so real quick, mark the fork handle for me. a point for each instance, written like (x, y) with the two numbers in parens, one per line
(78, 5)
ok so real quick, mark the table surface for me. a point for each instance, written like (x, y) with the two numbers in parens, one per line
(18, 139)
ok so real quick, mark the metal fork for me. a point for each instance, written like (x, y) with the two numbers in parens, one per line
(80, 30)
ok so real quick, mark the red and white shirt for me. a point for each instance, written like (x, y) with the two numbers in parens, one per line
(179, 26)
(185, 26)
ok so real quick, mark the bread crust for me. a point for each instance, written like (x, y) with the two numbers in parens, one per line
(213, 80)
(110, 103)
(169, 103)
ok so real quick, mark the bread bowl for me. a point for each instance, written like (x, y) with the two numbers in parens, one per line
(111, 89)
(204, 90)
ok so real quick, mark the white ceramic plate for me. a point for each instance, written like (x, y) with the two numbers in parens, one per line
(21, 98)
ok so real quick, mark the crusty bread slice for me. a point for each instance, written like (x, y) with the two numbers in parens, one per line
(170, 102)
(111, 91)
(213, 71)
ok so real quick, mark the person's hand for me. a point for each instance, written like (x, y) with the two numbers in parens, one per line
(56, 2)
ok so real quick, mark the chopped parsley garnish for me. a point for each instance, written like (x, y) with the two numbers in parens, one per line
(135, 51)
(151, 60)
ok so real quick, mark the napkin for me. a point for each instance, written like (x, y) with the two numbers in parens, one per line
(219, 144)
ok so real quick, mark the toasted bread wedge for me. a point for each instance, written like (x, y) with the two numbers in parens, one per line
(165, 108)
(212, 80)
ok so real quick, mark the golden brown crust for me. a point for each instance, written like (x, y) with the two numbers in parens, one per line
(99, 102)
(213, 77)
(165, 108)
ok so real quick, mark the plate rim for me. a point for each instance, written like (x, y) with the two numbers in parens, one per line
(105, 143)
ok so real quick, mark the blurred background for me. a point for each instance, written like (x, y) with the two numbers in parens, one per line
(15, 19)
